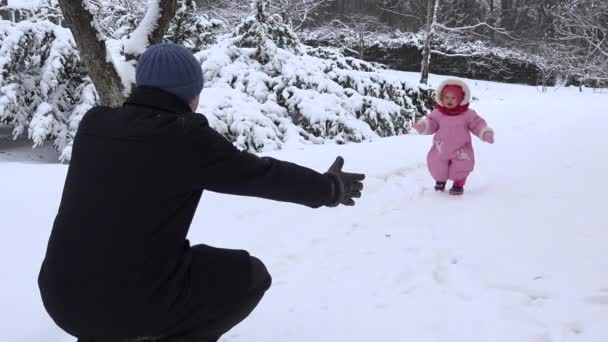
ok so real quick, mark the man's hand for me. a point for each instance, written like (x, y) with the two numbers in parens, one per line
(346, 186)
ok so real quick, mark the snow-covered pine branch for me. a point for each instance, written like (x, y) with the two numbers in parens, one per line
(191, 28)
(44, 90)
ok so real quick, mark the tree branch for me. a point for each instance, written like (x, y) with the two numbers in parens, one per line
(478, 25)
(437, 52)
(153, 26)
(400, 14)
(168, 8)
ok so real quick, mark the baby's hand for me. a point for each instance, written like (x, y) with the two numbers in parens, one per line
(420, 126)
(488, 137)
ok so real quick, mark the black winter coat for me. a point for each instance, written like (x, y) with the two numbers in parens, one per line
(118, 263)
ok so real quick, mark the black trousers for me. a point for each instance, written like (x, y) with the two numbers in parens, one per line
(212, 325)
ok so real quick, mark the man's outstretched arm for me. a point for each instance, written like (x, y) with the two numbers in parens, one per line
(221, 167)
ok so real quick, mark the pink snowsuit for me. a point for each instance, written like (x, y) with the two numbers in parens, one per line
(452, 157)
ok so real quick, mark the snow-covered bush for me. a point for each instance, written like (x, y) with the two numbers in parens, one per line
(44, 89)
(265, 89)
(265, 33)
(449, 43)
(192, 29)
(41, 10)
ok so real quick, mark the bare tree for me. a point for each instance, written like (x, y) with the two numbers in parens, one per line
(431, 24)
(465, 19)
(357, 31)
(229, 11)
(577, 50)
(91, 42)
(410, 14)
(299, 12)
(586, 24)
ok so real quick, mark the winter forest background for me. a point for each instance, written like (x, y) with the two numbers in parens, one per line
(519, 257)
(288, 71)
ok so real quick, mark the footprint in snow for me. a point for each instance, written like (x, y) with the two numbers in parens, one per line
(598, 299)
(532, 294)
(400, 173)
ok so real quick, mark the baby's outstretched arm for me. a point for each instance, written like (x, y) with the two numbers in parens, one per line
(426, 126)
(480, 128)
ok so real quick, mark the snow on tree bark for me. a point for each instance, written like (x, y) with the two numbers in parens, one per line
(91, 44)
(153, 26)
(100, 56)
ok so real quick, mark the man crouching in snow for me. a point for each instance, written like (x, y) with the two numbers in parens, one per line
(118, 266)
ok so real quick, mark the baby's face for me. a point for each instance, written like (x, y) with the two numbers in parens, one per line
(450, 101)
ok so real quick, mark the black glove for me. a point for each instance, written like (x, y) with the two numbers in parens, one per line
(346, 186)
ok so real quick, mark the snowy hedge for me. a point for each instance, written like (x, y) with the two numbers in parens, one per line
(454, 53)
(43, 87)
(263, 89)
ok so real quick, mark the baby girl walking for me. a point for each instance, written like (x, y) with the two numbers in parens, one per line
(452, 157)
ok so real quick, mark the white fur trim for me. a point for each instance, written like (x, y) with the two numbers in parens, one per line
(484, 131)
(454, 81)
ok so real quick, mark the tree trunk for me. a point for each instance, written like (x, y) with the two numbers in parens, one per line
(492, 20)
(92, 47)
(91, 44)
(506, 14)
(168, 9)
(431, 21)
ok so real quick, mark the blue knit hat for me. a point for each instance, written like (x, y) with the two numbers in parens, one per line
(171, 68)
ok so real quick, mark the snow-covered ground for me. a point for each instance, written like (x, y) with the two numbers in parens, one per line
(522, 257)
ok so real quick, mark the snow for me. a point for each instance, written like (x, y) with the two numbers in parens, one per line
(520, 257)
(27, 4)
(138, 41)
(125, 69)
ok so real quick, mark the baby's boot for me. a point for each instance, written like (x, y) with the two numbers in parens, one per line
(458, 188)
(440, 186)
